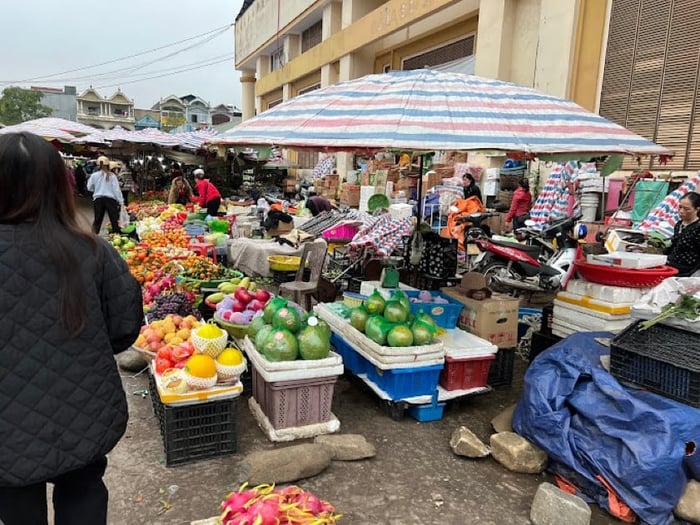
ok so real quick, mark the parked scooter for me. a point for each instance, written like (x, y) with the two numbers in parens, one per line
(474, 230)
(516, 268)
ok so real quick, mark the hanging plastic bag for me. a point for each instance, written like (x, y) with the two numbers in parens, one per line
(124, 218)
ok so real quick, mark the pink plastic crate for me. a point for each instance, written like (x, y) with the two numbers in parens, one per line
(344, 232)
(294, 403)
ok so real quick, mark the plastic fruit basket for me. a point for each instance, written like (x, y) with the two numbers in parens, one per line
(234, 330)
(344, 232)
(284, 263)
(628, 277)
(352, 299)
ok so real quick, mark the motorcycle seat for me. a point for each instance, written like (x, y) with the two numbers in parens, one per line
(530, 250)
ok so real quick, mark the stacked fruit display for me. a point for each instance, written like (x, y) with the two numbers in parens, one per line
(122, 243)
(239, 300)
(169, 339)
(391, 322)
(284, 333)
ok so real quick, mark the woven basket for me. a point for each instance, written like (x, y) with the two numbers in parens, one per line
(509, 182)
(230, 374)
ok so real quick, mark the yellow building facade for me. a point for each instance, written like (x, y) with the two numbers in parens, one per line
(597, 53)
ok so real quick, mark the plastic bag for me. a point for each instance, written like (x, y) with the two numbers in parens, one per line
(124, 218)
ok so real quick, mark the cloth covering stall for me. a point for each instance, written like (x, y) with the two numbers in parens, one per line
(614, 444)
(665, 216)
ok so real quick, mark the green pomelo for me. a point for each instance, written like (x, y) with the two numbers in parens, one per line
(313, 343)
(395, 312)
(400, 335)
(280, 345)
(358, 318)
(287, 317)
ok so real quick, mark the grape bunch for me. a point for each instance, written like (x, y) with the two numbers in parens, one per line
(179, 303)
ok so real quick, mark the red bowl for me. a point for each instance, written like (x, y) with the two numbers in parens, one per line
(627, 277)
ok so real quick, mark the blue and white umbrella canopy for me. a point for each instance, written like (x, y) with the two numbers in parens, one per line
(424, 110)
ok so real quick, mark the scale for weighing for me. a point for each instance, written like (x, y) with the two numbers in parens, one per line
(390, 272)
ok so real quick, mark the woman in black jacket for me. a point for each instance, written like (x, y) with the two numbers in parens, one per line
(67, 305)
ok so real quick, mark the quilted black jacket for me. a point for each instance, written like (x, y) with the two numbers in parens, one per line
(62, 404)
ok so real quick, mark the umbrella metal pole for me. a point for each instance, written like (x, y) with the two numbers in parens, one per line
(419, 189)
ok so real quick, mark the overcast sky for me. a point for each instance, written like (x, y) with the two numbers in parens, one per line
(40, 38)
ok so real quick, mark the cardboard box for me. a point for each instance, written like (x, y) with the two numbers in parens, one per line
(619, 239)
(494, 319)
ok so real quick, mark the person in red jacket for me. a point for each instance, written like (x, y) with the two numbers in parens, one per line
(520, 205)
(209, 196)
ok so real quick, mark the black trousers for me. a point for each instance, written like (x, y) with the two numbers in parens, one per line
(79, 497)
(111, 206)
(213, 207)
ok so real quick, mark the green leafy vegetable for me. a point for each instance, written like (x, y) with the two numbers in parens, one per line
(686, 307)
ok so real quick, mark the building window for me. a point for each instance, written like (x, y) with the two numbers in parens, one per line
(93, 110)
(274, 103)
(309, 89)
(312, 36)
(441, 55)
(277, 59)
(650, 78)
(193, 119)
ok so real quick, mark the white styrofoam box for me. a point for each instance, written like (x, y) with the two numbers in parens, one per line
(460, 343)
(610, 294)
(605, 316)
(588, 323)
(638, 261)
(400, 211)
(598, 305)
(365, 193)
(491, 187)
(367, 287)
(273, 372)
(493, 173)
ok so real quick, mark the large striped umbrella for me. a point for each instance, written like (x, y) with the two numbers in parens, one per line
(46, 132)
(424, 110)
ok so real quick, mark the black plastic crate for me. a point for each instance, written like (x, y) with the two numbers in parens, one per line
(501, 371)
(662, 359)
(541, 342)
(194, 432)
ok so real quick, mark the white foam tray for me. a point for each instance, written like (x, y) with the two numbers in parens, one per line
(273, 372)
(609, 294)
(443, 395)
(587, 323)
(459, 343)
(384, 357)
(291, 433)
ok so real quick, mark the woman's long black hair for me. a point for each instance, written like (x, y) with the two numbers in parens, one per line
(36, 189)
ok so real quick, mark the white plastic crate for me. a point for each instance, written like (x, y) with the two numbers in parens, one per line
(459, 343)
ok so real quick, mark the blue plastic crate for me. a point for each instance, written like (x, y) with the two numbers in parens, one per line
(401, 383)
(353, 361)
(445, 315)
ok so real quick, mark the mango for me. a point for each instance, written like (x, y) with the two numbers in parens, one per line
(216, 298)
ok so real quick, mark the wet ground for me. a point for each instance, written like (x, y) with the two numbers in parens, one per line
(414, 478)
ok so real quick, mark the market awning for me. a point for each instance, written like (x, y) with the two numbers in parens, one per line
(425, 110)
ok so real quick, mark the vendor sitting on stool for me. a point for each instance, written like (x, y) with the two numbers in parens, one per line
(317, 204)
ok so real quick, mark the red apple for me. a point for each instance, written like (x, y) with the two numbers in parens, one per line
(255, 305)
(243, 295)
(238, 306)
(262, 295)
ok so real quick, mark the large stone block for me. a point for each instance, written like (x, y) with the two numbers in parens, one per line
(503, 422)
(286, 464)
(688, 507)
(465, 443)
(517, 454)
(553, 506)
(347, 447)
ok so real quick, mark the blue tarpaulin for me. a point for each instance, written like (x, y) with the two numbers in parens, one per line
(591, 426)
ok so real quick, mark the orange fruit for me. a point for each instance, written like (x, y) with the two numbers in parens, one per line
(201, 365)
